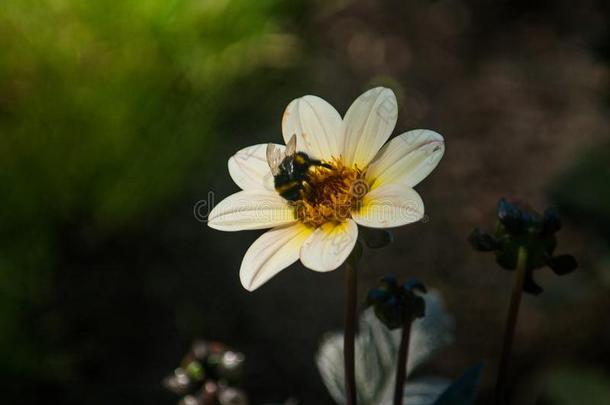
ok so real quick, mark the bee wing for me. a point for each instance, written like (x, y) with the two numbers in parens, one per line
(291, 146)
(275, 155)
(274, 158)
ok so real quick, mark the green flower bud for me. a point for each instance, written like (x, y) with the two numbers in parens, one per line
(394, 304)
(520, 226)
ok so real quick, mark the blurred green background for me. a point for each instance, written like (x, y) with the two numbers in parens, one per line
(117, 117)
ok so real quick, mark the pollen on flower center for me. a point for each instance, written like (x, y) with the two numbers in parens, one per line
(331, 193)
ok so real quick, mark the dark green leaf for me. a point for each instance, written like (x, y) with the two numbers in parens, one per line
(562, 264)
(462, 391)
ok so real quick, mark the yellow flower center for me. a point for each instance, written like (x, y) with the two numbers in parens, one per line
(331, 194)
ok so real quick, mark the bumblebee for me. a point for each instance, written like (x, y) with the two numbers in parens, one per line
(290, 169)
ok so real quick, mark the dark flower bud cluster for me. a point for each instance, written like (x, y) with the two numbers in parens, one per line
(396, 305)
(519, 226)
(207, 376)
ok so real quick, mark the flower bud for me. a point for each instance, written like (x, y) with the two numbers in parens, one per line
(394, 304)
(207, 370)
(520, 226)
(562, 264)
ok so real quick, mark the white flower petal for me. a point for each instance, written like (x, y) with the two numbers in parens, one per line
(369, 122)
(251, 209)
(249, 168)
(329, 245)
(421, 391)
(272, 252)
(317, 125)
(376, 350)
(388, 206)
(407, 159)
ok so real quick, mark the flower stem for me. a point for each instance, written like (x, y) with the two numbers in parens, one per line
(511, 322)
(351, 284)
(401, 368)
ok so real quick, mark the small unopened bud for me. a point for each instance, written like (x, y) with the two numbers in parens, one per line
(562, 264)
(519, 226)
(232, 396)
(190, 400)
(395, 304)
(195, 370)
(179, 382)
(207, 368)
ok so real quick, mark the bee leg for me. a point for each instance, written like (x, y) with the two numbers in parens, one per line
(293, 194)
(306, 189)
(321, 164)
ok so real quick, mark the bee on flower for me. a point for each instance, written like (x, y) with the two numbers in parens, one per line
(333, 175)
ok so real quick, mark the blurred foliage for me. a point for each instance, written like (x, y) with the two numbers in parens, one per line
(575, 386)
(105, 109)
(462, 391)
(583, 192)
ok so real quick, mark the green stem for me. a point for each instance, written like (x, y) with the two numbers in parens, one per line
(511, 323)
(351, 284)
(401, 367)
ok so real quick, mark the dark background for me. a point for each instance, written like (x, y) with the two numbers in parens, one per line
(117, 117)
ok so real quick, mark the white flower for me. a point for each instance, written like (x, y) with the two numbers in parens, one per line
(376, 353)
(361, 182)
